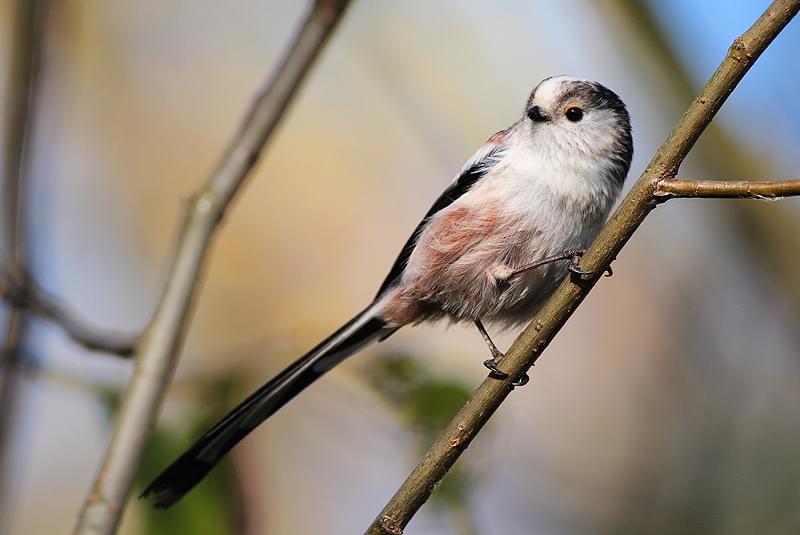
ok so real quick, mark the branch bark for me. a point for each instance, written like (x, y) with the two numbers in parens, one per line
(157, 353)
(723, 189)
(27, 295)
(523, 353)
(18, 120)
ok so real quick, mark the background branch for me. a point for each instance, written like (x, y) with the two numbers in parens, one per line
(557, 310)
(26, 294)
(17, 125)
(737, 189)
(157, 352)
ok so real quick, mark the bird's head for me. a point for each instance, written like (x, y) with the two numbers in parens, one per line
(581, 118)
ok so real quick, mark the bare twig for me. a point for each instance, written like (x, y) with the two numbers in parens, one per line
(17, 125)
(157, 352)
(736, 189)
(637, 205)
(29, 296)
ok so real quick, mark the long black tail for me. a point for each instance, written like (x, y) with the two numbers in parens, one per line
(191, 467)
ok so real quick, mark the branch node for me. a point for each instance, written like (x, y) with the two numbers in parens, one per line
(390, 526)
(739, 51)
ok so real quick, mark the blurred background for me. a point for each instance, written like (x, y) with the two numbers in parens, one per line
(668, 404)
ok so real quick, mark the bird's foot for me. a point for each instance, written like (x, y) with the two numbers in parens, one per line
(522, 381)
(495, 373)
(570, 254)
(497, 356)
(580, 275)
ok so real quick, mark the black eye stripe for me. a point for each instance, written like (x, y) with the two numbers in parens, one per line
(594, 96)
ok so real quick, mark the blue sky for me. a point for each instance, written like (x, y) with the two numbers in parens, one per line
(702, 31)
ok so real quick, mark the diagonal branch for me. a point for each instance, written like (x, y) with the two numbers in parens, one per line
(29, 296)
(157, 353)
(679, 188)
(523, 353)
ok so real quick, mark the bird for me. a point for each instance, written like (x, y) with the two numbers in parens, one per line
(492, 248)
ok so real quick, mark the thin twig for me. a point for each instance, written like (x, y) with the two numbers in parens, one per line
(556, 311)
(29, 296)
(737, 189)
(157, 352)
(18, 121)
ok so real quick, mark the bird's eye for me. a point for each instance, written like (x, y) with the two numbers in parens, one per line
(574, 114)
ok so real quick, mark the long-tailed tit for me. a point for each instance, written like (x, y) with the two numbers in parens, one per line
(492, 248)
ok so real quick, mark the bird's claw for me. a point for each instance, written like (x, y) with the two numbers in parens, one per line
(495, 373)
(522, 381)
(583, 275)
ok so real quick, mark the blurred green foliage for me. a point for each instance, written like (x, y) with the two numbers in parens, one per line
(426, 403)
(215, 507)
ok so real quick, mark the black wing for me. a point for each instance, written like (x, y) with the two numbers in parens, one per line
(476, 168)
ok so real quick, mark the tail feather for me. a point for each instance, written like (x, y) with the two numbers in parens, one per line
(191, 467)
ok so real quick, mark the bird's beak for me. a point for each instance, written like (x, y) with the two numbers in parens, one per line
(535, 114)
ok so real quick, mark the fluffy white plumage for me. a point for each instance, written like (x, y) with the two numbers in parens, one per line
(548, 188)
(544, 185)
